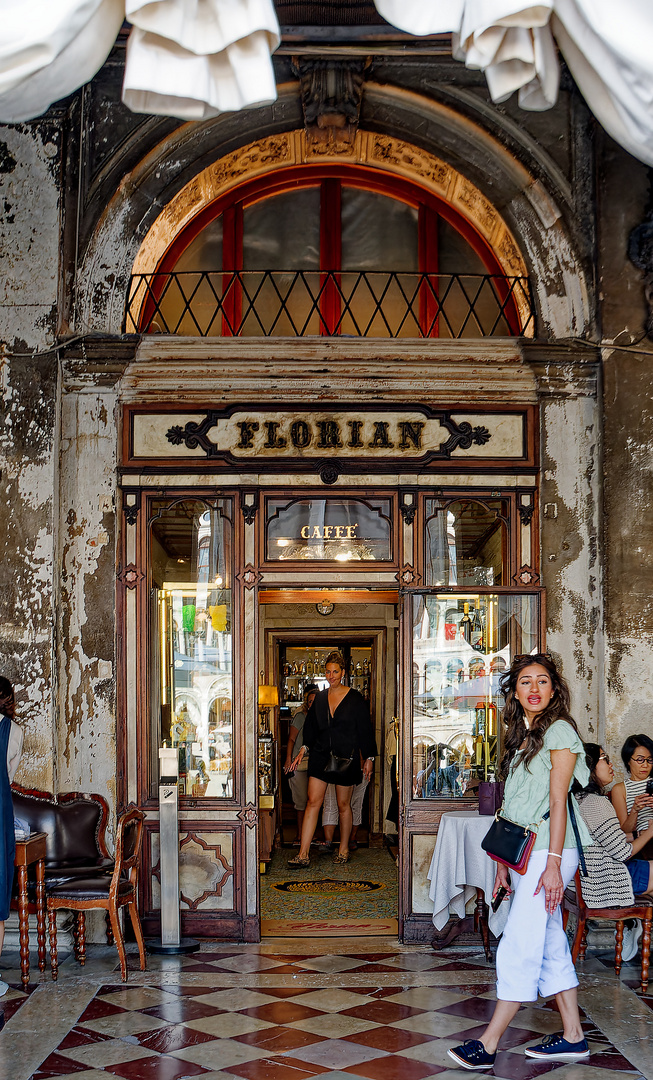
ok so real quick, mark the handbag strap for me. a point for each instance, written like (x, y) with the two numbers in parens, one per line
(574, 825)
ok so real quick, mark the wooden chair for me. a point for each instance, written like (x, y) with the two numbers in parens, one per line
(642, 909)
(110, 893)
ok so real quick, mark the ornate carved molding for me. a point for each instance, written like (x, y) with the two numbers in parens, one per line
(463, 435)
(526, 514)
(329, 471)
(250, 509)
(130, 576)
(331, 93)
(193, 435)
(131, 504)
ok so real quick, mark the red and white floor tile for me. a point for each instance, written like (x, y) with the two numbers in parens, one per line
(286, 1011)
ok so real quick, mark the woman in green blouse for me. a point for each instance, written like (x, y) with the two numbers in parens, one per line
(543, 755)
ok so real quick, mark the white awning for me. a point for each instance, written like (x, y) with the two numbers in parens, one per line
(198, 58)
(608, 47)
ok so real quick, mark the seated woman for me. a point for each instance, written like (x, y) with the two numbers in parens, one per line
(629, 798)
(613, 875)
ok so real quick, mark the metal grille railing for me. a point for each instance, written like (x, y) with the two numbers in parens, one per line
(298, 303)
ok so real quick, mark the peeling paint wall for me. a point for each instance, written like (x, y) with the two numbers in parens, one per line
(86, 752)
(29, 248)
(570, 502)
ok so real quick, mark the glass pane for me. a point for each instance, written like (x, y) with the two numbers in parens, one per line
(461, 644)
(205, 251)
(466, 542)
(340, 530)
(379, 234)
(281, 234)
(191, 675)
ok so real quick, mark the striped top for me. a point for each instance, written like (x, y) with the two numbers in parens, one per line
(608, 883)
(633, 789)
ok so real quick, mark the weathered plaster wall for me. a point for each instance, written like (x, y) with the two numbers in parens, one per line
(29, 241)
(624, 194)
(570, 509)
(86, 757)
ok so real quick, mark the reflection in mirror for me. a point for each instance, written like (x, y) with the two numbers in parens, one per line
(466, 542)
(191, 677)
(461, 645)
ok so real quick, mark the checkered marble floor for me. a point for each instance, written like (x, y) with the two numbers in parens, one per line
(342, 1009)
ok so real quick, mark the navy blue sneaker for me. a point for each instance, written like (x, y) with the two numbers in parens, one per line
(472, 1055)
(555, 1048)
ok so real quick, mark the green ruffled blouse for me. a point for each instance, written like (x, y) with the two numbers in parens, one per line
(526, 795)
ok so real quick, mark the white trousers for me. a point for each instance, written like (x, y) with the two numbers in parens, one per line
(330, 804)
(533, 955)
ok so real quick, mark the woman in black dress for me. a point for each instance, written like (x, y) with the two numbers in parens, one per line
(338, 722)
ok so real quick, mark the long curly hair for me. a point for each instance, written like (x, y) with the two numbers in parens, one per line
(592, 754)
(515, 730)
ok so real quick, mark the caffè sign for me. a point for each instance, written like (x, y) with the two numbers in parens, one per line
(280, 435)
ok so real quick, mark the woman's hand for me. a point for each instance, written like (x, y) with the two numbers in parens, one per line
(288, 767)
(368, 768)
(502, 879)
(551, 882)
(642, 802)
(298, 760)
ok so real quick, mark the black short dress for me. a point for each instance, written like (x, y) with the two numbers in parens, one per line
(348, 733)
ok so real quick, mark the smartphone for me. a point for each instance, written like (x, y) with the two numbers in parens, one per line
(499, 898)
(649, 787)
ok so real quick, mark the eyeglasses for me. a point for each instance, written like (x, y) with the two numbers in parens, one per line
(642, 760)
(604, 757)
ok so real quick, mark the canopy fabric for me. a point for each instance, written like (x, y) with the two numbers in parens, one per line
(48, 48)
(607, 47)
(197, 58)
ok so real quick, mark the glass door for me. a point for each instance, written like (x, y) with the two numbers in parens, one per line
(456, 644)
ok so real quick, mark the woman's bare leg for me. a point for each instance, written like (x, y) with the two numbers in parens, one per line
(504, 1012)
(567, 1002)
(343, 795)
(315, 798)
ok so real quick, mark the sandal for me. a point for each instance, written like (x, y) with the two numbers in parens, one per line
(340, 859)
(299, 864)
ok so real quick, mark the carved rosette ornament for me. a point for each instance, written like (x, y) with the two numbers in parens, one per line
(526, 576)
(329, 471)
(130, 576)
(248, 815)
(407, 575)
(249, 576)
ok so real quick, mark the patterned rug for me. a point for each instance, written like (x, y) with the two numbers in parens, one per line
(358, 898)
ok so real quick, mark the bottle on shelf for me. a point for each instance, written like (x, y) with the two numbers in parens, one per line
(478, 749)
(479, 721)
(476, 639)
(358, 669)
(322, 666)
(309, 666)
(366, 666)
(302, 668)
(295, 669)
(286, 668)
(466, 624)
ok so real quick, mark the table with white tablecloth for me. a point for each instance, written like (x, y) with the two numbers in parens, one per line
(460, 870)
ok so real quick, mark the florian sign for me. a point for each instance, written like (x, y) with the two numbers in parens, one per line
(300, 438)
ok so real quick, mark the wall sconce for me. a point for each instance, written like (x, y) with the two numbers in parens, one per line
(268, 698)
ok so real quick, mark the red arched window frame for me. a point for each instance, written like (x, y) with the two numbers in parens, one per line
(330, 179)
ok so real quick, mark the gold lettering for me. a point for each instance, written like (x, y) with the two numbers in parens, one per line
(339, 535)
(305, 532)
(315, 535)
(351, 531)
(328, 529)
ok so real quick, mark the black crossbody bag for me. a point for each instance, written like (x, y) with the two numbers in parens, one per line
(511, 844)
